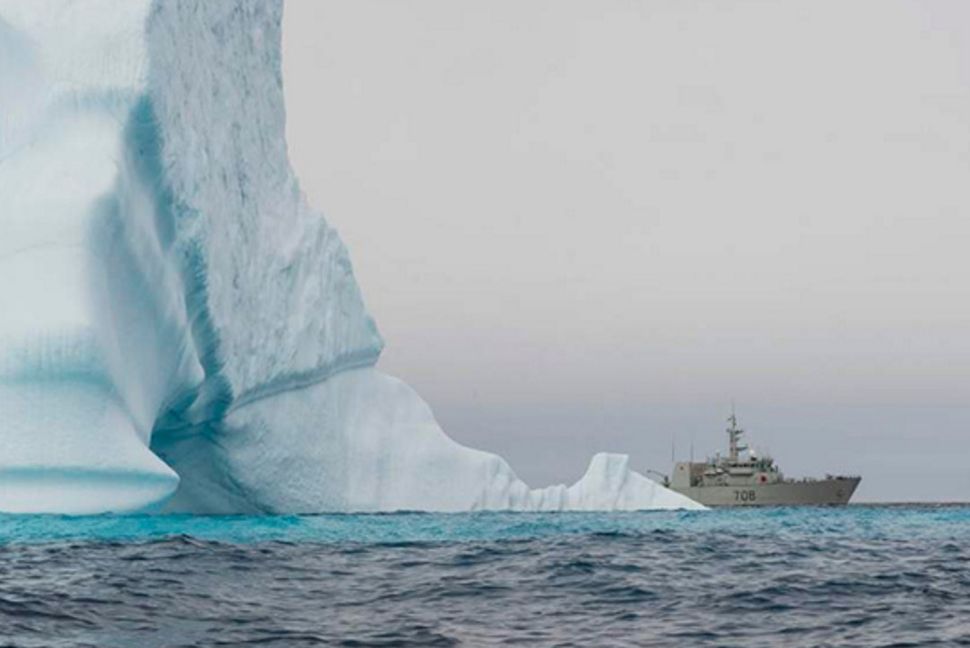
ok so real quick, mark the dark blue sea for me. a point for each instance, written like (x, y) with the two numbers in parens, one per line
(856, 576)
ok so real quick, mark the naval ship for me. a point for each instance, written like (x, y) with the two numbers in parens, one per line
(744, 478)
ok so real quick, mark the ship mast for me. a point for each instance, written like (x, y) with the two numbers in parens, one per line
(734, 438)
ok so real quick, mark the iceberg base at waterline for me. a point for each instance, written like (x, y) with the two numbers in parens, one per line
(180, 330)
(65, 447)
(398, 458)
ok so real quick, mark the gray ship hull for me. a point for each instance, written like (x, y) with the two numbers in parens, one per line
(822, 492)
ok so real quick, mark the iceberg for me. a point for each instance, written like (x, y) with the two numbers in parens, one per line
(180, 330)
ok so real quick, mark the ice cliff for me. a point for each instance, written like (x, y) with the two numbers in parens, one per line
(178, 328)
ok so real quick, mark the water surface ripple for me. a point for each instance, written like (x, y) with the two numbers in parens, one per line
(858, 576)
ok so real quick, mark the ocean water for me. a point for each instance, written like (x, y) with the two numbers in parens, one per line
(856, 576)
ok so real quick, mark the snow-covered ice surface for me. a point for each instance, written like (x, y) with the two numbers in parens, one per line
(178, 328)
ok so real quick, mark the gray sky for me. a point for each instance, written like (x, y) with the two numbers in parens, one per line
(590, 225)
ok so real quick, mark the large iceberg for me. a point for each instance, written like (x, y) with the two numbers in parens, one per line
(179, 330)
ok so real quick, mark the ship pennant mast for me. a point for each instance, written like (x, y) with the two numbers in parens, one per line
(734, 437)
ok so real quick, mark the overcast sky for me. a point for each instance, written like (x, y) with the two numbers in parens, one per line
(590, 225)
